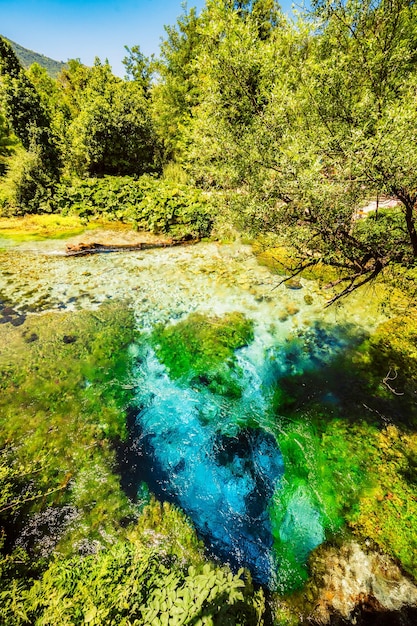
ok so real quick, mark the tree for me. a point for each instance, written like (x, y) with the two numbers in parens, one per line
(113, 132)
(35, 173)
(9, 63)
(176, 90)
(359, 124)
(138, 68)
(236, 71)
(318, 118)
(6, 143)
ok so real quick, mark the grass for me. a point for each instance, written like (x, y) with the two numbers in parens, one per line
(38, 227)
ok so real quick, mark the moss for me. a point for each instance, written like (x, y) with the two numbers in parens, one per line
(392, 354)
(326, 474)
(359, 473)
(200, 345)
(356, 476)
(386, 512)
(38, 227)
(63, 404)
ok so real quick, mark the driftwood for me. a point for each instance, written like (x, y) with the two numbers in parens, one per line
(82, 249)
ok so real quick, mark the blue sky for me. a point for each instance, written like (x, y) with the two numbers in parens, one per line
(66, 29)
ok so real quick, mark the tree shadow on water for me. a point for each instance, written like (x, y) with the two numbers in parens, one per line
(335, 368)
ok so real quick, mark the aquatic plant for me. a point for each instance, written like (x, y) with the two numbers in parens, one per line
(63, 401)
(390, 362)
(386, 512)
(353, 471)
(38, 227)
(324, 476)
(199, 345)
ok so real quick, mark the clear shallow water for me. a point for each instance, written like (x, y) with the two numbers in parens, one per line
(223, 480)
(213, 455)
(216, 456)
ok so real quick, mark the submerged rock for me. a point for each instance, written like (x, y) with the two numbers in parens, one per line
(351, 579)
(293, 283)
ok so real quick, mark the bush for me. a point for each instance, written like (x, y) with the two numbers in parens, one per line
(130, 584)
(157, 205)
(27, 186)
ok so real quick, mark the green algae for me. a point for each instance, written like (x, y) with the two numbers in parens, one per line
(324, 471)
(350, 448)
(386, 513)
(389, 360)
(201, 345)
(63, 402)
(358, 475)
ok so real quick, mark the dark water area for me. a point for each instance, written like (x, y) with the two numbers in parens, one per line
(192, 448)
(223, 483)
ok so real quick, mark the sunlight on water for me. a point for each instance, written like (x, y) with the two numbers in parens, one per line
(224, 482)
(215, 456)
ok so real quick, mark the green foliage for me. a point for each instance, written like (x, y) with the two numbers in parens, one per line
(28, 184)
(46, 87)
(175, 93)
(308, 122)
(39, 227)
(138, 68)
(178, 209)
(209, 597)
(112, 133)
(62, 404)
(33, 173)
(9, 63)
(130, 584)
(7, 143)
(163, 525)
(159, 206)
(200, 345)
(108, 198)
(23, 107)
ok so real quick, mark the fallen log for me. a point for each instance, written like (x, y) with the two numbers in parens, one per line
(82, 249)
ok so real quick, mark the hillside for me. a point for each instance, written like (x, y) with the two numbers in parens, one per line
(27, 57)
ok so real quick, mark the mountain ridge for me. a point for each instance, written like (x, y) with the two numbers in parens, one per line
(28, 57)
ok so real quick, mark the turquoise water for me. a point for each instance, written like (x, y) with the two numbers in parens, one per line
(216, 456)
(213, 454)
(221, 475)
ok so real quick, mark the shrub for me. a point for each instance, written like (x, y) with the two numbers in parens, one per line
(27, 186)
(152, 204)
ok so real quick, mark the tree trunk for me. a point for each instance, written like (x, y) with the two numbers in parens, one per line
(411, 226)
(410, 220)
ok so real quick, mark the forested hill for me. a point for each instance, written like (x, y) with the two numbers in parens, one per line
(27, 57)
